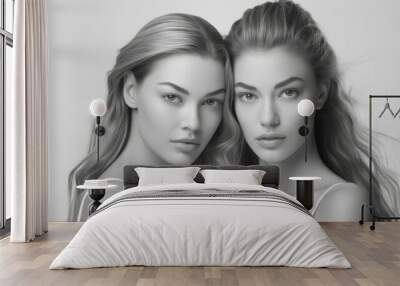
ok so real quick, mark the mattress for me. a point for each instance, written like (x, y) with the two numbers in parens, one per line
(201, 225)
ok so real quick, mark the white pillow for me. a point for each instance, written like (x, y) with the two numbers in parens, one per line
(162, 176)
(248, 177)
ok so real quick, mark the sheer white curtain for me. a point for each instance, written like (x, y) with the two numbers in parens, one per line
(26, 123)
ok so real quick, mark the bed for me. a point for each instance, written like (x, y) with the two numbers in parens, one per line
(201, 224)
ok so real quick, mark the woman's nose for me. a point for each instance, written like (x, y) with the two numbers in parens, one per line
(269, 115)
(190, 118)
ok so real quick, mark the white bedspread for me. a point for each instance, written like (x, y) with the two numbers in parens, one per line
(200, 231)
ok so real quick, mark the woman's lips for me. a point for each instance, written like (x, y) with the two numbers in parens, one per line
(185, 145)
(271, 141)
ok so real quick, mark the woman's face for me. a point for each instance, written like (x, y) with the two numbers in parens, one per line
(268, 86)
(179, 107)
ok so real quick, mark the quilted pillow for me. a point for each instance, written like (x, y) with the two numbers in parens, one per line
(248, 177)
(162, 176)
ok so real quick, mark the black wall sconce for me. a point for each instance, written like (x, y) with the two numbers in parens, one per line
(98, 108)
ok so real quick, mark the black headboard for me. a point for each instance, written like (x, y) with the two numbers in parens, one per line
(270, 179)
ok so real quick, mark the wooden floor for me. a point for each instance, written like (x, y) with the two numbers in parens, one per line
(374, 255)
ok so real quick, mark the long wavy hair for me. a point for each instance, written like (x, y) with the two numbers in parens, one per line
(162, 37)
(342, 144)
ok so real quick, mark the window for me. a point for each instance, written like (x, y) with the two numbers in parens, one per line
(6, 45)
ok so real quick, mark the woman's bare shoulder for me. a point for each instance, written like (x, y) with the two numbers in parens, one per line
(341, 201)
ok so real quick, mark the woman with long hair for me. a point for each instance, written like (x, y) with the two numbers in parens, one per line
(166, 95)
(279, 57)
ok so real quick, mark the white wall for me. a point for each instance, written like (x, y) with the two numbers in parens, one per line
(85, 35)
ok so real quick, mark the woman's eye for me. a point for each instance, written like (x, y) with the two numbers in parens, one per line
(172, 98)
(247, 97)
(211, 102)
(290, 92)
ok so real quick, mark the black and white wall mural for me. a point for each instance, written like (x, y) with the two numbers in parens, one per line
(226, 82)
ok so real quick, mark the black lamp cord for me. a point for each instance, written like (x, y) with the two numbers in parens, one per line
(305, 137)
(98, 137)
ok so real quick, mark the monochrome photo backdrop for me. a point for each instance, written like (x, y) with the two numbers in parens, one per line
(85, 37)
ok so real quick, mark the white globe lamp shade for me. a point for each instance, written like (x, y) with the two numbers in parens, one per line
(305, 107)
(98, 107)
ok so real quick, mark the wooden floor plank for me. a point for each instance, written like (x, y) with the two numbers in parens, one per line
(374, 255)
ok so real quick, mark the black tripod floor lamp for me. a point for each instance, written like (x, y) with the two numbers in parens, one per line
(370, 205)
